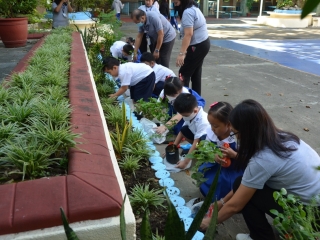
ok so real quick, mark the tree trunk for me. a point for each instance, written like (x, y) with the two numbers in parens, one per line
(243, 7)
(318, 10)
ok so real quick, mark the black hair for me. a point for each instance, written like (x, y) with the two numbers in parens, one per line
(257, 131)
(130, 40)
(128, 48)
(109, 63)
(184, 4)
(221, 111)
(57, 1)
(137, 14)
(172, 85)
(147, 57)
(185, 103)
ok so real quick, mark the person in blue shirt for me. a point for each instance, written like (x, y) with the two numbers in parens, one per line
(220, 134)
(173, 87)
(173, 19)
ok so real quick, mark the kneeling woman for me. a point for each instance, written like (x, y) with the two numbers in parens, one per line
(272, 159)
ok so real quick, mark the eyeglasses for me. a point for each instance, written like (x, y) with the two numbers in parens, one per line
(231, 135)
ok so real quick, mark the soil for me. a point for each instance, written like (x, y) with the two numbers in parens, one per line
(157, 216)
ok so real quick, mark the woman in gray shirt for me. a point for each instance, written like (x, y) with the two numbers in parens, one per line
(60, 9)
(272, 159)
(195, 43)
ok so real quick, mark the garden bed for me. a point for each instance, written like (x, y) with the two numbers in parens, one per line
(90, 190)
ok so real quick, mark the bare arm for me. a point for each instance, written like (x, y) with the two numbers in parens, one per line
(137, 43)
(188, 33)
(160, 39)
(69, 7)
(58, 8)
(121, 91)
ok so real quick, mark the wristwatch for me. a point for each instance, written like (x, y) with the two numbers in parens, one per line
(156, 50)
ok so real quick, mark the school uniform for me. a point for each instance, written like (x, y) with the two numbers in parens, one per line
(140, 77)
(227, 175)
(201, 103)
(144, 43)
(197, 127)
(154, 23)
(116, 51)
(161, 73)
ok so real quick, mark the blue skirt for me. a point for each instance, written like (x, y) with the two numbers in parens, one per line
(225, 181)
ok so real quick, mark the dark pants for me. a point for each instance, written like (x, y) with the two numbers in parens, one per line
(165, 53)
(192, 67)
(144, 45)
(254, 213)
(143, 89)
(118, 16)
(158, 88)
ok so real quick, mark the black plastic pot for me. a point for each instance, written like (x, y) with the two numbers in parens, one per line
(172, 154)
(138, 116)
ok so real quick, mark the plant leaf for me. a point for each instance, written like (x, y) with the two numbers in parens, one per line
(308, 7)
(204, 208)
(145, 230)
(211, 231)
(174, 228)
(71, 235)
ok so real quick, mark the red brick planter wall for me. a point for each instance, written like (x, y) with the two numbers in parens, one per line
(90, 190)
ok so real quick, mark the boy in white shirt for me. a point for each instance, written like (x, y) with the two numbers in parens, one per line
(195, 123)
(160, 71)
(122, 51)
(139, 76)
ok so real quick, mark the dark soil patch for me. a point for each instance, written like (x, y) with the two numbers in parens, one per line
(145, 175)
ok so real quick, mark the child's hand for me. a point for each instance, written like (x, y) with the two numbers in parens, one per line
(228, 152)
(219, 160)
(160, 129)
(182, 164)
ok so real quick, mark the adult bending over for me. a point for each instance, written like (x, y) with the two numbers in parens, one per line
(60, 10)
(147, 7)
(160, 31)
(195, 43)
(272, 159)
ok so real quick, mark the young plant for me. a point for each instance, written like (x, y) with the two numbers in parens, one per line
(297, 221)
(60, 137)
(71, 235)
(114, 115)
(205, 153)
(137, 138)
(129, 164)
(144, 198)
(4, 95)
(153, 109)
(120, 137)
(138, 151)
(30, 157)
(18, 112)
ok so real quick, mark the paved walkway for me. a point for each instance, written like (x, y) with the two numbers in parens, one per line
(247, 60)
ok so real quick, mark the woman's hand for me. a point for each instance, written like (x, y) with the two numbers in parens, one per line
(180, 60)
(160, 129)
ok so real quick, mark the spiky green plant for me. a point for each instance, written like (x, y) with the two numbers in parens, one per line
(60, 137)
(138, 151)
(18, 112)
(30, 157)
(8, 131)
(114, 115)
(104, 89)
(142, 197)
(56, 111)
(136, 138)
(129, 164)
(55, 92)
(4, 95)
(21, 95)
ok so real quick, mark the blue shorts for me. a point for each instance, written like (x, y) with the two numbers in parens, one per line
(143, 89)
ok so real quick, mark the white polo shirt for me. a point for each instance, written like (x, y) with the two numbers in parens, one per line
(132, 73)
(162, 72)
(198, 126)
(116, 50)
